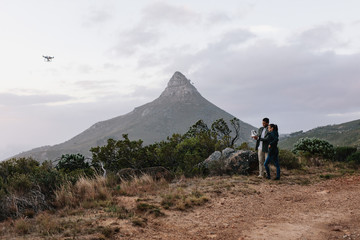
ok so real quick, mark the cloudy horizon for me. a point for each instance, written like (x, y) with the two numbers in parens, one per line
(295, 62)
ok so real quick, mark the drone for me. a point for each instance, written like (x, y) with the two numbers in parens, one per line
(48, 58)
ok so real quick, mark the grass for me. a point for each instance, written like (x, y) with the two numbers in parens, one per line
(22, 226)
(47, 225)
(179, 199)
(140, 186)
(95, 209)
(85, 190)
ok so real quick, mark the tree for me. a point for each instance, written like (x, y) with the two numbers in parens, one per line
(221, 129)
(122, 154)
(74, 165)
(235, 123)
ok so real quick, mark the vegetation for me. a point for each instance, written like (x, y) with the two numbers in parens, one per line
(76, 184)
(342, 153)
(288, 160)
(314, 146)
(345, 134)
(179, 153)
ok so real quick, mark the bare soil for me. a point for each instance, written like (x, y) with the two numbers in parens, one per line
(268, 210)
(314, 205)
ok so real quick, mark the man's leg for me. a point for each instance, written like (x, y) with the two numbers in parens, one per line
(266, 156)
(261, 156)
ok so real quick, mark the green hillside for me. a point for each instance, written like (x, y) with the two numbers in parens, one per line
(345, 134)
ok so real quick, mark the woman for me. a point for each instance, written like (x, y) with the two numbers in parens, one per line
(273, 154)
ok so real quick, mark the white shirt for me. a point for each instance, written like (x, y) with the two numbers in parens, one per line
(262, 136)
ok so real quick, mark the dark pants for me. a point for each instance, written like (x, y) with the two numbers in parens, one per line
(275, 158)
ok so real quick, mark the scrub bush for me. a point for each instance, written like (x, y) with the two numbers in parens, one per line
(342, 153)
(314, 147)
(288, 160)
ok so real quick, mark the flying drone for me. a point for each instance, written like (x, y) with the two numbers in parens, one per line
(48, 58)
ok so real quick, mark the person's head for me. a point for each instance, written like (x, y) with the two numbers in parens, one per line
(272, 127)
(265, 122)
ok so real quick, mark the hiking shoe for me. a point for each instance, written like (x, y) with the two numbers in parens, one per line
(277, 178)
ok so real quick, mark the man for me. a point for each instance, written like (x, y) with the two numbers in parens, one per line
(262, 146)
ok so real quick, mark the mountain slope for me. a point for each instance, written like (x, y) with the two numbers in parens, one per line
(179, 106)
(345, 134)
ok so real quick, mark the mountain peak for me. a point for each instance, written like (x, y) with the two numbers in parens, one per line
(178, 79)
(179, 87)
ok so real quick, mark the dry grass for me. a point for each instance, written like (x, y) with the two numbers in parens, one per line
(139, 186)
(48, 225)
(85, 190)
(92, 209)
(22, 226)
(179, 199)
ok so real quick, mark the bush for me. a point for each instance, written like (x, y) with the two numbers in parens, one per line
(288, 160)
(244, 146)
(354, 158)
(342, 153)
(314, 147)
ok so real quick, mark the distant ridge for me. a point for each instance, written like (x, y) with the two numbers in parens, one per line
(344, 134)
(179, 106)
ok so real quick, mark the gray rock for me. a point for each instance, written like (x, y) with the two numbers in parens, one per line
(227, 152)
(241, 162)
(232, 162)
(16, 206)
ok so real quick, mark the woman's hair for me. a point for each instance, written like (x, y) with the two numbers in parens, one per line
(274, 126)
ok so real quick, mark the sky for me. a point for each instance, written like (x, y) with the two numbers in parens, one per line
(296, 62)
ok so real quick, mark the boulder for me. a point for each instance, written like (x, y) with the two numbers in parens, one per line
(231, 162)
(13, 206)
(241, 162)
(215, 156)
(227, 152)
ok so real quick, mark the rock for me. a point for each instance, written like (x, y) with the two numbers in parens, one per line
(241, 162)
(231, 162)
(227, 152)
(126, 174)
(215, 156)
(17, 206)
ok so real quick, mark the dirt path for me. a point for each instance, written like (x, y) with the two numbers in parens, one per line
(267, 210)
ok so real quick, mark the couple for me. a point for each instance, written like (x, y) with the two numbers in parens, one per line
(266, 144)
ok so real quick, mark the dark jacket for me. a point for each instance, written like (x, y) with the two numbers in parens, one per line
(273, 142)
(265, 145)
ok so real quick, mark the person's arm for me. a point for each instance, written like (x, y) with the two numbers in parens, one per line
(266, 138)
(273, 139)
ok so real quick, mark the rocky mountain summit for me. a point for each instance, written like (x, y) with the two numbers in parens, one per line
(178, 107)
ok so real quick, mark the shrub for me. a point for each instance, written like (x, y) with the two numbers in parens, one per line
(288, 159)
(354, 158)
(342, 153)
(20, 183)
(314, 146)
(74, 166)
(244, 146)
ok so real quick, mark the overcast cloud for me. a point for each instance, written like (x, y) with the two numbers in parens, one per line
(296, 64)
